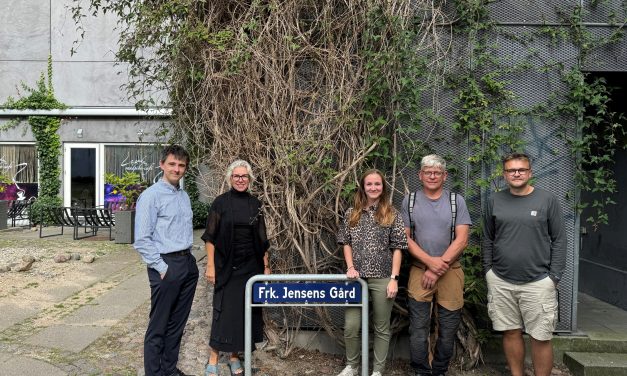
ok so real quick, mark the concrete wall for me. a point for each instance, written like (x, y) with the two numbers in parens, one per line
(31, 30)
(111, 130)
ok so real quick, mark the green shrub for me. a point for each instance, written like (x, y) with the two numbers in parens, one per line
(36, 213)
(199, 208)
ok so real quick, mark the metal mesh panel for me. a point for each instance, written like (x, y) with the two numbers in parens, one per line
(553, 169)
(604, 11)
(434, 137)
(610, 57)
(553, 164)
(529, 11)
(532, 85)
(552, 161)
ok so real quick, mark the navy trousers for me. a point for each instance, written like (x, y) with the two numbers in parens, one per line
(170, 303)
(420, 322)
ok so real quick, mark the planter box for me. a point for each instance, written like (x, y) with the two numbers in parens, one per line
(124, 227)
(4, 208)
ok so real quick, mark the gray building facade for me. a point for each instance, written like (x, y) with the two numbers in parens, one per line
(101, 131)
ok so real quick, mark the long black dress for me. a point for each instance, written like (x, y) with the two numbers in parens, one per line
(235, 226)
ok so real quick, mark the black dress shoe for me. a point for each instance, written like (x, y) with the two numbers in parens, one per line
(178, 372)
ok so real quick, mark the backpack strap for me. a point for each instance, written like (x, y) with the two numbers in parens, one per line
(410, 207)
(453, 198)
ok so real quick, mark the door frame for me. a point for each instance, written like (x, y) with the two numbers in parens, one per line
(67, 168)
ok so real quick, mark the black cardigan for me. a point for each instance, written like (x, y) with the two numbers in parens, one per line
(219, 232)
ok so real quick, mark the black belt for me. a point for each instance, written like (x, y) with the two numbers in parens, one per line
(184, 252)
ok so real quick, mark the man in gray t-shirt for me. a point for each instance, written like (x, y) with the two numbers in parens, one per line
(436, 273)
(432, 220)
(524, 255)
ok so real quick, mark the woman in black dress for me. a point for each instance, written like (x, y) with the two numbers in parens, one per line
(237, 249)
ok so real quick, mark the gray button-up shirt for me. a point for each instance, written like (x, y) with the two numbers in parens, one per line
(163, 223)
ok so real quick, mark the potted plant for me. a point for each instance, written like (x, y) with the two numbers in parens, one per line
(129, 186)
(4, 205)
(5, 182)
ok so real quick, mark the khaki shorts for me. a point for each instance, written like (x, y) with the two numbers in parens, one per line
(448, 290)
(530, 306)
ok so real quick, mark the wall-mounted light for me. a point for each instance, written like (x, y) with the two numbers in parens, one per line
(140, 133)
(79, 133)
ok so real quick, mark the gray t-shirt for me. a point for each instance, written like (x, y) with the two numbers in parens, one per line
(524, 239)
(432, 220)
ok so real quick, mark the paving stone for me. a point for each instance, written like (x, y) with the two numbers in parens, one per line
(17, 365)
(596, 364)
(14, 312)
(67, 337)
(108, 309)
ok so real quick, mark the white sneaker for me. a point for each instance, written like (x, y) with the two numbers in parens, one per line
(376, 373)
(349, 371)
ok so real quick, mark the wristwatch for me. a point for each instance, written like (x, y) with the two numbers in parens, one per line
(394, 277)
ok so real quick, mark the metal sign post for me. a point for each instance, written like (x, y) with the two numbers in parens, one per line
(305, 290)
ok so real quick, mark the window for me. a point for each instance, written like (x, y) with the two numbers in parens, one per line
(122, 159)
(18, 172)
(143, 160)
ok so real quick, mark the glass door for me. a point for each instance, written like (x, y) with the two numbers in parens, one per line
(81, 182)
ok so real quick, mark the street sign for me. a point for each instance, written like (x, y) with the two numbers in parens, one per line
(275, 290)
(307, 293)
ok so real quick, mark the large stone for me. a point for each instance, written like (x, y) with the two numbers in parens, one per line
(61, 257)
(76, 256)
(25, 266)
(5, 268)
(88, 259)
(28, 258)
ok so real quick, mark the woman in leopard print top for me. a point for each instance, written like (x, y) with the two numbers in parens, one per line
(373, 236)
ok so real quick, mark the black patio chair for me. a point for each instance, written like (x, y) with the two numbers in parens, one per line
(93, 219)
(19, 210)
(58, 216)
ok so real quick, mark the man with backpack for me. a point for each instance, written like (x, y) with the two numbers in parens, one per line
(437, 224)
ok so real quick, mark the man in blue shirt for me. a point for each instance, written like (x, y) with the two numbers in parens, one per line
(163, 238)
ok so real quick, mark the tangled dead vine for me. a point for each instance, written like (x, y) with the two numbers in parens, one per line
(283, 86)
(308, 91)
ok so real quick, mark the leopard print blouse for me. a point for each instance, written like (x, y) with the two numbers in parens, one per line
(372, 243)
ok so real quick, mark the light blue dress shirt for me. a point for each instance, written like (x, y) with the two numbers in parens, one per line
(163, 223)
